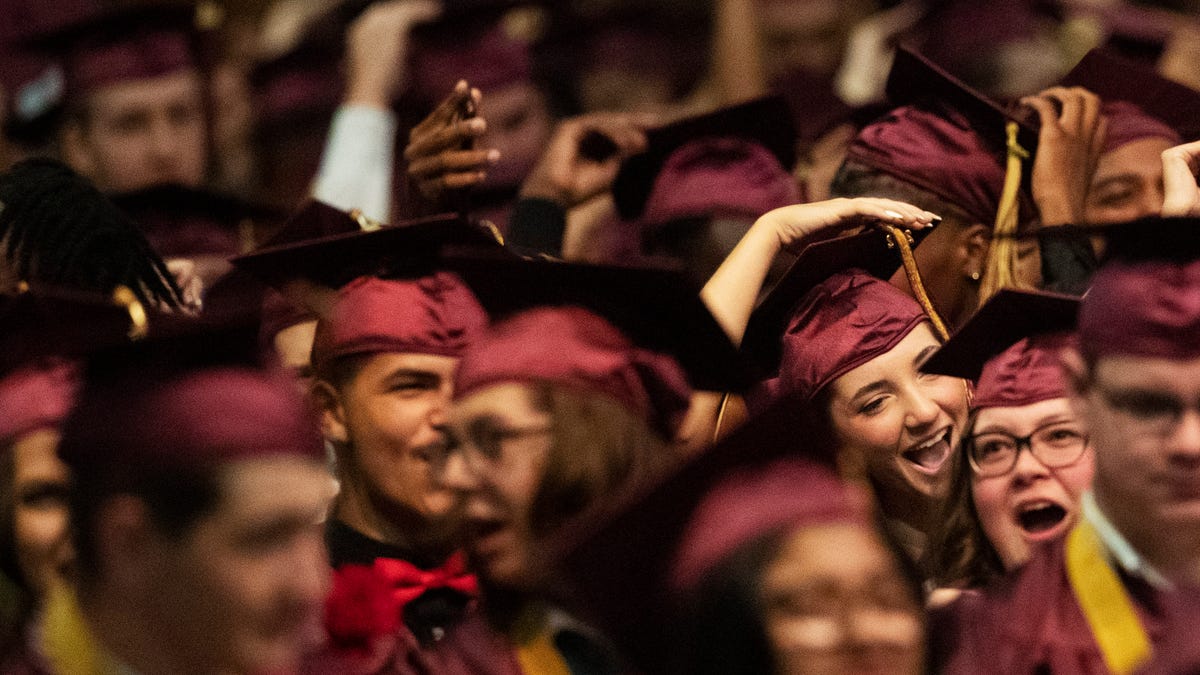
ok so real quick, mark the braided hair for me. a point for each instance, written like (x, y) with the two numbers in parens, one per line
(57, 228)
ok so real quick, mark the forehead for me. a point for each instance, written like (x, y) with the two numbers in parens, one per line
(829, 550)
(1142, 157)
(1148, 373)
(385, 364)
(1022, 419)
(273, 487)
(507, 400)
(183, 85)
(890, 365)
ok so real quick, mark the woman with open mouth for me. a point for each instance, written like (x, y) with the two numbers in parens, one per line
(850, 344)
(1025, 459)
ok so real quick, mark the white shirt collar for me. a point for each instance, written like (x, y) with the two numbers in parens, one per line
(1119, 549)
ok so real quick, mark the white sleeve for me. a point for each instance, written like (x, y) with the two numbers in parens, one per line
(357, 163)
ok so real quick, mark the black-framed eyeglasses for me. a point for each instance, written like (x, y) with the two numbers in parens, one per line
(1056, 445)
(1158, 412)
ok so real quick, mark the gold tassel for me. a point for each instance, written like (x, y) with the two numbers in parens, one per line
(139, 323)
(900, 239)
(1001, 270)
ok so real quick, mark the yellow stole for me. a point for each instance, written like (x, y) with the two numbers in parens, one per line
(67, 644)
(1106, 605)
(539, 656)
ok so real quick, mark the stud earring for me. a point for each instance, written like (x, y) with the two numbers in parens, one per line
(974, 276)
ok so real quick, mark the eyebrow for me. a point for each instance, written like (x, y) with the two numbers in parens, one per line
(1105, 181)
(1057, 418)
(923, 356)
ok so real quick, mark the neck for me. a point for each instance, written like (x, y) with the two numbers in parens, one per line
(391, 524)
(125, 631)
(1175, 556)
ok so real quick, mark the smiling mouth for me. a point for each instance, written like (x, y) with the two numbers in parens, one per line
(930, 456)
(1041, 517)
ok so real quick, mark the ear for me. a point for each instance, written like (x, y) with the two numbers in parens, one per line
(328, 401)
(75, 148)
(125, 541)
(971, 250)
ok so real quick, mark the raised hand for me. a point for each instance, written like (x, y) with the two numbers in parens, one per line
(568, 173)
(1069, 145)
(441, 155)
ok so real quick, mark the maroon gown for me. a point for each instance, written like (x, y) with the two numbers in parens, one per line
(1031, 623)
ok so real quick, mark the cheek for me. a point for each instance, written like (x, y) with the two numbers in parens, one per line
(873, 438)
(1077, 479)
(951, 396)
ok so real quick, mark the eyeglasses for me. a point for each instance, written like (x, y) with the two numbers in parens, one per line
(1157, 412)
(1055, 445)
(483, 443)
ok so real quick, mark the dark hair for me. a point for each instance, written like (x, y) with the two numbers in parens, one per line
(176, 498)
(598, 446)
(57, 228)
(855, 179)
(959, 553)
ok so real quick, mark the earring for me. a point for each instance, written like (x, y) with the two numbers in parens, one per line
(974, 276)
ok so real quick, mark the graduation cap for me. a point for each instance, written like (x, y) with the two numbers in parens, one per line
(195, 392)
(1145, 298)
(1009, 317)
(872, 253)
(413, 248)
(766, 122)
(1010, 348)
(184, 221)
(47, 322)
(300, 85)
(1114, 79)
(658, 310)
(114, 44)
(766, 476)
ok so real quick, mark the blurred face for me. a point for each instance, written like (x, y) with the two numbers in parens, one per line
(835, 602)
(1032, 502)
(142, 133)
(519, 126)
(1144, 419)
(902, 423)
(244, 588)
(395, 414)
(1128, 183)
(40, 518)
(504, 446)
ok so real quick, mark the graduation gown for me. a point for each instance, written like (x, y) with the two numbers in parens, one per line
(1031, 622)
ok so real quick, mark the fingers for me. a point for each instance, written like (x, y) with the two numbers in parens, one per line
(451, 136)
(890, 211)
(1181, 194)
(453, 161)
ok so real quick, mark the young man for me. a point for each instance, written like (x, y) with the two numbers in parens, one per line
(384, 360)
(137, 113)
(1094, 603)
(196, 503)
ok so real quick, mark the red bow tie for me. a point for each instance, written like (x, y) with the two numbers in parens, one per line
(409, 582)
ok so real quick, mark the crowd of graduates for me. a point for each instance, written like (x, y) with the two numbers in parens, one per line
(509, 337)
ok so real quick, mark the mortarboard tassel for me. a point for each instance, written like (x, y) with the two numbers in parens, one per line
(901, 240)
(1002, 258)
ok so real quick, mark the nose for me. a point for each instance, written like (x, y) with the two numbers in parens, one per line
(1028, 468)
(164, 141)
(456, 474)
(922, 412)
(1185, 441)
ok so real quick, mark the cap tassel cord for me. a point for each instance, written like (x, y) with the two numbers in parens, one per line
(139, 324)
(1002, 258)
(901, 240)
